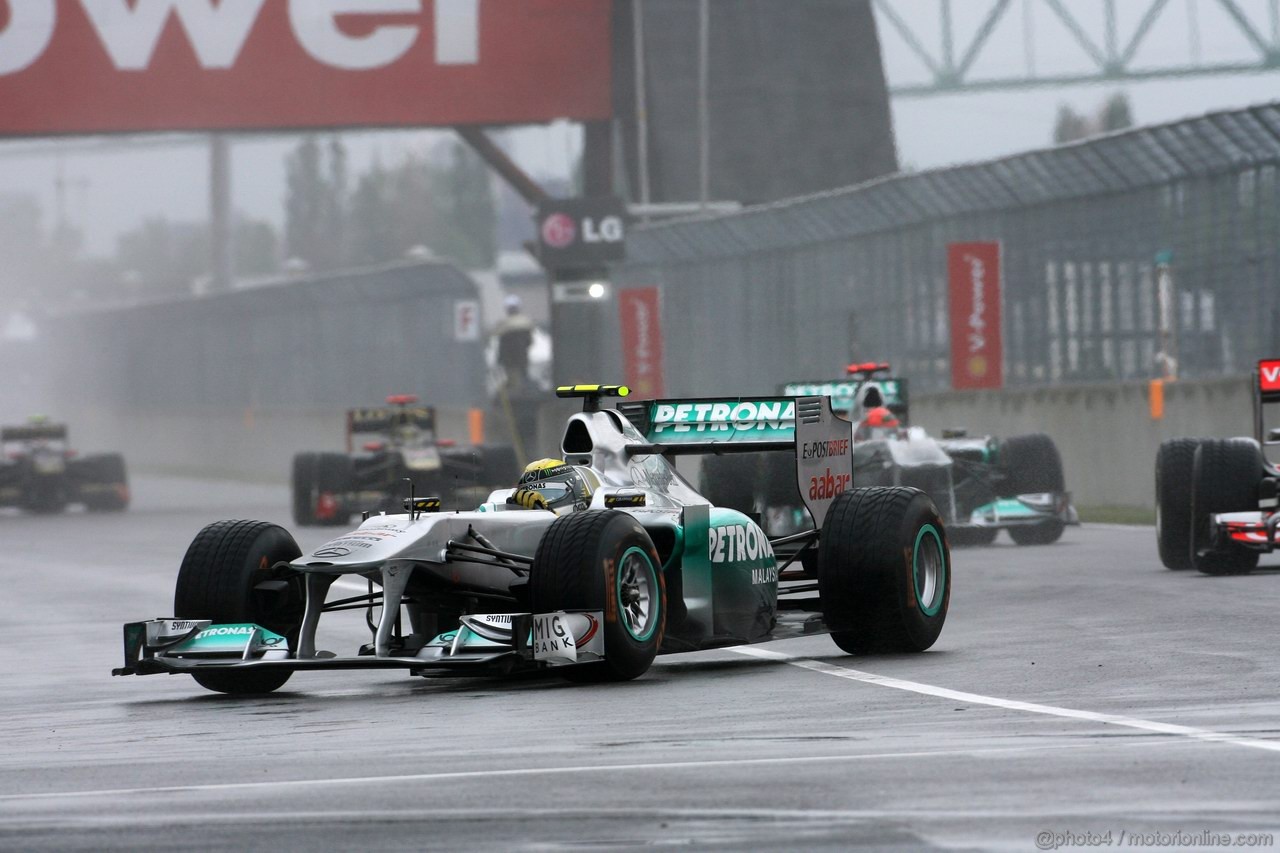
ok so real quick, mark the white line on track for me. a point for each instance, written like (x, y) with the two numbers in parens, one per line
(516, 772)
(1010, 704)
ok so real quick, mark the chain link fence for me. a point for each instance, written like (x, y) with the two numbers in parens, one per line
(801, 287)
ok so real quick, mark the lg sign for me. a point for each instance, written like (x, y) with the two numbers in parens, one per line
(104, 65)
(580, 233)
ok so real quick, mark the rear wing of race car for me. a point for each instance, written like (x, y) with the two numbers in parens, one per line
(821, 440)
(382, 420)
(34, 432)
(847, 394)
(1266, 390)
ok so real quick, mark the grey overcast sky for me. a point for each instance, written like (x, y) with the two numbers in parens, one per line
(108, 193)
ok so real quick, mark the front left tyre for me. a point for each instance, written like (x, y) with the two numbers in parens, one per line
(603, 560)
(884, 571)
(1174, 461)
(230, 575)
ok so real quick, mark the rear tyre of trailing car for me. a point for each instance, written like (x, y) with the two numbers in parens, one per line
(884, 570)
(334, 480)
(303, 481)
(603, 560)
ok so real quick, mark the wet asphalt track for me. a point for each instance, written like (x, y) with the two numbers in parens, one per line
(716, 750)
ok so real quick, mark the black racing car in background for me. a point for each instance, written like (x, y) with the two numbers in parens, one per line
(40, 473)
(981, 484)
(385, 447)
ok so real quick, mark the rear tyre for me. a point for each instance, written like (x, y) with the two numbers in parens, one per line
(884, 571)
(305, 493)
(334, 482)
(106, 472)
(1031, 465)
(1044, 533)
(604, 560)
(229, 575)
(1224, 478)
(730, 481)
(1174, 463)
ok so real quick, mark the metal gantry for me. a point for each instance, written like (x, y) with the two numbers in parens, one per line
(1110, 54)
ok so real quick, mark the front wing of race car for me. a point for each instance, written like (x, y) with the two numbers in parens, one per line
(494, 643)
(1254, 529)
(1023, 511)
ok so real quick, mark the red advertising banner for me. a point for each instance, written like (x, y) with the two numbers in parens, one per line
(640, 310)
(1269, 377)
(977, 352)
(94, 66)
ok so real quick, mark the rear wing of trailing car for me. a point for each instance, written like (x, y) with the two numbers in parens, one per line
(1266, 390)
(847, 394)
(34, 432)
(384, 419)
(821, 440)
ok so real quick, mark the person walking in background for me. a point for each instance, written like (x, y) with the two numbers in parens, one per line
(515, 336)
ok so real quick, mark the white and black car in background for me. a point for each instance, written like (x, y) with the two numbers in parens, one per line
(385, 447)
(41, 473)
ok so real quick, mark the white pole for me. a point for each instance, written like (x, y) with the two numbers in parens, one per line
(642, 117)
(704, 123)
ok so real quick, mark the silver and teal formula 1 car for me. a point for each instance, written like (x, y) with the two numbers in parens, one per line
(981, 484)
(592, 565)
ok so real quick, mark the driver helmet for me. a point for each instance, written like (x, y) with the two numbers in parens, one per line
(879, 422)
(555, 485)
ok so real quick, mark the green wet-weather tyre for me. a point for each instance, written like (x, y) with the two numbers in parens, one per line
(603, 560)
(884, 571)
(1224, 478)
(229, 575)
